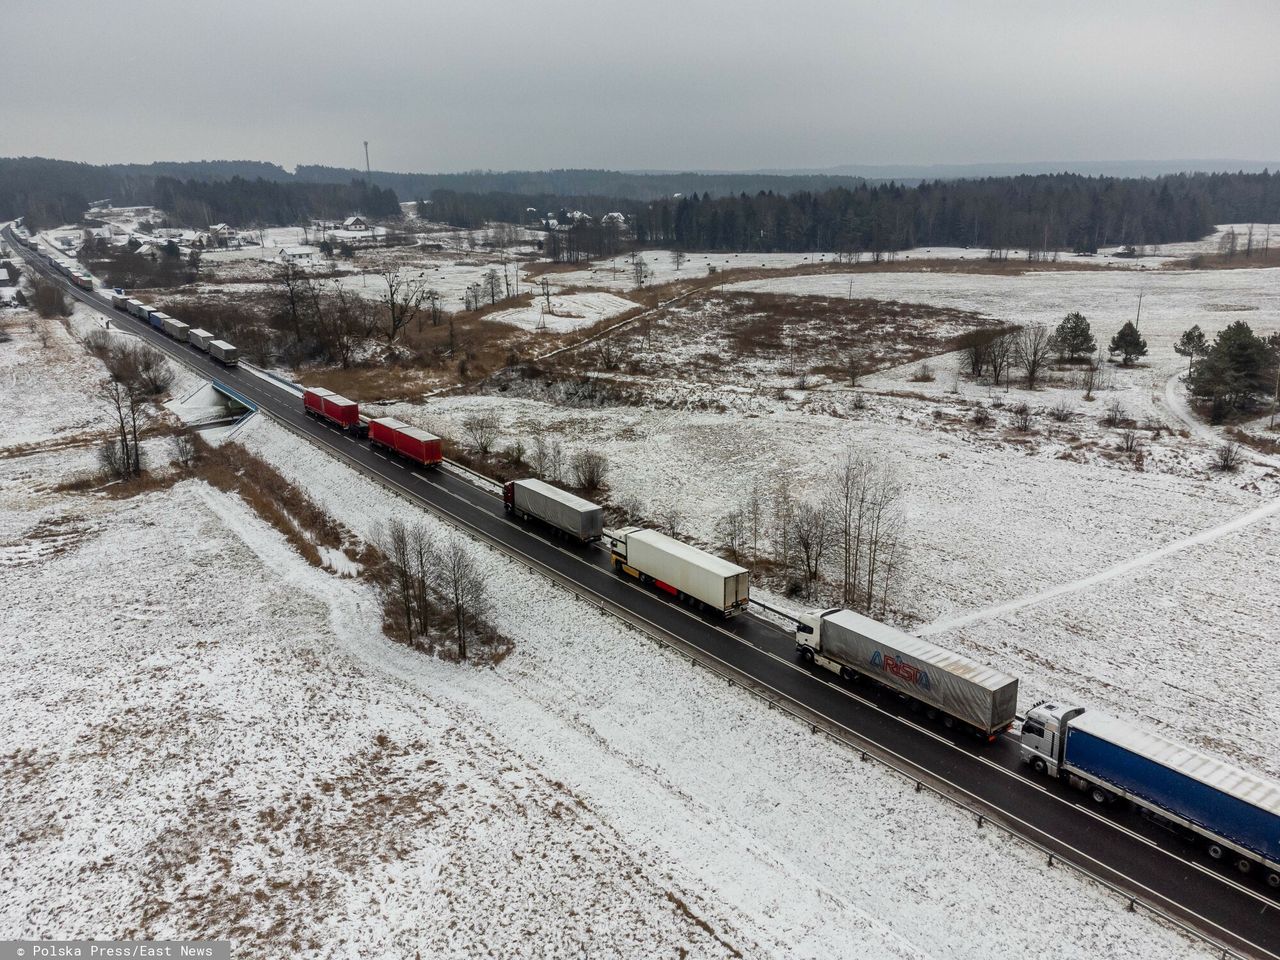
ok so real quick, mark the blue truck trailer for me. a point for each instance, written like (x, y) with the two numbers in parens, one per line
(1233, 813)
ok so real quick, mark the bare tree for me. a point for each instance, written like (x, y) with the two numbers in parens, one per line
(1000, 353)
(677, 259)
(813, 534)
(1228, 456)
(732, 530)
(463, 585)
(639, 271)
(296, 298)
(403, 299)
(755, 519)
(1032, 348)
(589, 469)
(393, 540)
(482, 431)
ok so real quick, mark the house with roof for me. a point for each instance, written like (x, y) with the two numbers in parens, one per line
(355, 224)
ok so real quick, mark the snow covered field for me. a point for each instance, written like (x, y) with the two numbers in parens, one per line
(995, 515)
(1172, 300)
(570, 311)
(233, 749)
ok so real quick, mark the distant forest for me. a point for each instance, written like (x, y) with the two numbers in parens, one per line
(1042, 213)
(1036, 214)
(52, 192)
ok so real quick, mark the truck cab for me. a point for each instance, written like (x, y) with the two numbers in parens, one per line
(809, 633)
(1044, 735)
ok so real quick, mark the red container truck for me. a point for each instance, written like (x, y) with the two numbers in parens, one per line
(409, 442)
(337, 409)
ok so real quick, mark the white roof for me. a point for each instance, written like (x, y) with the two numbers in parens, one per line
(953, 663)
(563, 496)
(221, 345)
(200, 332)
(678, 548)
(1231, 780)
(319, 391)
(340, 400)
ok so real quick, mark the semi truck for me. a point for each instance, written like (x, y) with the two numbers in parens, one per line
(948, 686)
(326, 405)
(224, 353)
(200, 338)
(416, 445)
(176, 329)
(1233, 813)
(573, 516)
(680, 570)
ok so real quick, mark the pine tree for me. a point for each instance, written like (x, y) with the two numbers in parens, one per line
(1129, 344)
(1073, 337)
(1192, 344)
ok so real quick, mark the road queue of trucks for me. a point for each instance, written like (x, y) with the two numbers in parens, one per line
(1232, 813)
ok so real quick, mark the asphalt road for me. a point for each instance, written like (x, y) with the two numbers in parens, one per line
(1153, 865)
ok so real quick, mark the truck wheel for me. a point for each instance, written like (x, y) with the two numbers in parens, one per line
(1099, 796)
(1243, 865)
(1215, 851)
(806, 656)
(931, 714)
(1273, 880)
(846, 674)
(948, 721)
(1039, 766)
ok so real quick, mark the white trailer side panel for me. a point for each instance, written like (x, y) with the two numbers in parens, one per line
(977, 694)
(696, 573)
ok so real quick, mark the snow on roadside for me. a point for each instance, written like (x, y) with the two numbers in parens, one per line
(194, 754)
(733, 799)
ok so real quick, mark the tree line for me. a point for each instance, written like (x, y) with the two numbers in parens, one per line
(1038, 215)
(48, 193)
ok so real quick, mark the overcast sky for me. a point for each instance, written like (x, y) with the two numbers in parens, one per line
(651, 84)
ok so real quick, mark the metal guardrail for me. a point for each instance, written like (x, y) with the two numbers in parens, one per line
(234, 394)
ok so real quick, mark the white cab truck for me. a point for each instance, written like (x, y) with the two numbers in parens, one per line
(945, 684)
(571, 515)
(693, 576)
(1233, 813)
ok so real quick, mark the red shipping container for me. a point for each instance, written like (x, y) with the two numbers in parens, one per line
(410, 442)
(332, 407)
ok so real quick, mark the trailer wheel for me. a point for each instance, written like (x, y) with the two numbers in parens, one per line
(931, 714)
(846, 674)
(1039, 766)
(948, 721)
(1273, 880)
(1099, 795)
(1243, 865)
(1215, 851)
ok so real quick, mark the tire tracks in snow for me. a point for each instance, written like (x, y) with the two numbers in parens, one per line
(1179, 408)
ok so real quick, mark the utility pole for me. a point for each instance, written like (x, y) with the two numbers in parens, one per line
(366, 163)
(1138, 318)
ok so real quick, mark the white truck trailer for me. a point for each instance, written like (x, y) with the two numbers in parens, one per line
(224, 353)
(573, 516)
(176, 329)
(948, 686)
(200, 338)
(680, 570)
